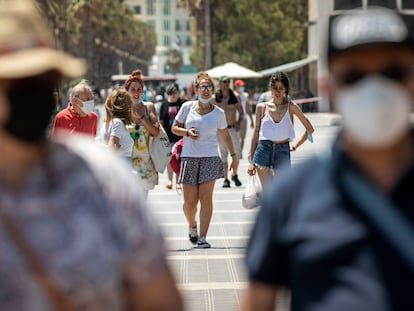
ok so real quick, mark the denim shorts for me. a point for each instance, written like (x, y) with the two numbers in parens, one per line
(272, 155)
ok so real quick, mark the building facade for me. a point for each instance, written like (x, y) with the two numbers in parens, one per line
(172, 25)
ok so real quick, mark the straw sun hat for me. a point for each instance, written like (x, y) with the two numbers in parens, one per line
(26, 44)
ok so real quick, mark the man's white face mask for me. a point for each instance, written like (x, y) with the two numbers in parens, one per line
(375, 111)
(88, 106)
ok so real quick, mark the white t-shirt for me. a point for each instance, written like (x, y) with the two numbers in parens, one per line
(118, 129)
(206, 145)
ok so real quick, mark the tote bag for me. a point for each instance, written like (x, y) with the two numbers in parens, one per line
(160, 150)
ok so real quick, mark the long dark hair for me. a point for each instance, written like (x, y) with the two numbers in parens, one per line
(280, 76)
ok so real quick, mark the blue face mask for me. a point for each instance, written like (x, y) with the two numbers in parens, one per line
(205, 101)
(241, 88)
(137, 102)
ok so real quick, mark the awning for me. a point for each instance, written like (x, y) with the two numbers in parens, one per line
(289, 66)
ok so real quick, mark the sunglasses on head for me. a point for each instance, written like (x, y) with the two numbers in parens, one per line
(397, 73)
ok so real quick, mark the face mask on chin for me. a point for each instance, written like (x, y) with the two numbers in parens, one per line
(137, 102)
(31, 108)
(205, 101)
(375, 111)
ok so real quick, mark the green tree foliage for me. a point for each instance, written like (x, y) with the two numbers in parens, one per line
(256, 34)
(103, 32)
(174, 59)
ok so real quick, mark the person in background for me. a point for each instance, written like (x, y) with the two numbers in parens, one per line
(169, 110)
(114, 128)
(333, 228)
(78, 116)
(75, 232)
(199, 122)
(146, 123)
(185, 94)
(159, 99)
(239, 89)
(227, 100)
(274, 131)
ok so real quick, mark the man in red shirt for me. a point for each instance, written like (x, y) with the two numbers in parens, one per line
(78, 116)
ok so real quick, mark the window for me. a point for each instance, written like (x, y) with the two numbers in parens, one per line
(188, 41)
(167, 41)
(407, 4)
(167, 7)
(137, 9)
(177, 25)
(391, 4)
(347, 4)
(188, 26)
(166, 25)
(150, 7)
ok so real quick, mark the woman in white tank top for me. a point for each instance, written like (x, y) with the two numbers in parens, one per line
(273, 132)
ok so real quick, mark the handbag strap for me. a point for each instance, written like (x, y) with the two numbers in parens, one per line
(382, 212)
(54, 294)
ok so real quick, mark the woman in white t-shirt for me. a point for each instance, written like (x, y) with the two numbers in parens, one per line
(114, 128)
(199, 122)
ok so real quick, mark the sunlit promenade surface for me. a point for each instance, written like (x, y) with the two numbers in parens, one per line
(214, 279)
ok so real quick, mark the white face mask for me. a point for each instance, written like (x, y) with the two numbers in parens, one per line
(375, 111)
(205, 101)
(88, 106)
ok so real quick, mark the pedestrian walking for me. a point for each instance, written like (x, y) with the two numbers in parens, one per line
(198, 122)
(114, 128)
(337, 230)
(75, 233)
(78, 116)
(146, 123)
(274, 131)
(227, 100)
(169, 110)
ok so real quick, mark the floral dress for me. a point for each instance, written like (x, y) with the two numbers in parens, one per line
(141, 160)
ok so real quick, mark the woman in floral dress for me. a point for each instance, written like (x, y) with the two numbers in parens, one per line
(146, 123)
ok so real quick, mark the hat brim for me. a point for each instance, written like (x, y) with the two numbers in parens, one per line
(31, 62)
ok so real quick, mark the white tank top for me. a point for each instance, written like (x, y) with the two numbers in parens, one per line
(276, 131)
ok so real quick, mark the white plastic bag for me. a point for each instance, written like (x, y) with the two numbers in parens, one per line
(252, 193)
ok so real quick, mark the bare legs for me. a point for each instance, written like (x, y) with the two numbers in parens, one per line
(202, 193)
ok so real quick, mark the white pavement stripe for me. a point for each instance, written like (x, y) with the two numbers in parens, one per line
(154, 201)
(212, 286)
(204, 257)
(230, 211)
(175, 224)
(237, 237)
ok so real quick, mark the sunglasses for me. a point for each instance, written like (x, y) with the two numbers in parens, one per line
(226, 81)
(205, 87)
(397, 73)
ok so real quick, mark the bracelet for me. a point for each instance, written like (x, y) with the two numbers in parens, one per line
(293, 147)
(232, 155)
(186, 133)
(142, 117)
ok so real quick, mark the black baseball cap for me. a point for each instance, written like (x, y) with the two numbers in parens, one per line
(369, 26)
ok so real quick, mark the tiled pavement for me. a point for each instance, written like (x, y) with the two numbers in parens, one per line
(214, 279)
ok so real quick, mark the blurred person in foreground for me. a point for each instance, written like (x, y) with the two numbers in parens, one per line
(74, 231)
(79, 115)
(313, 234)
